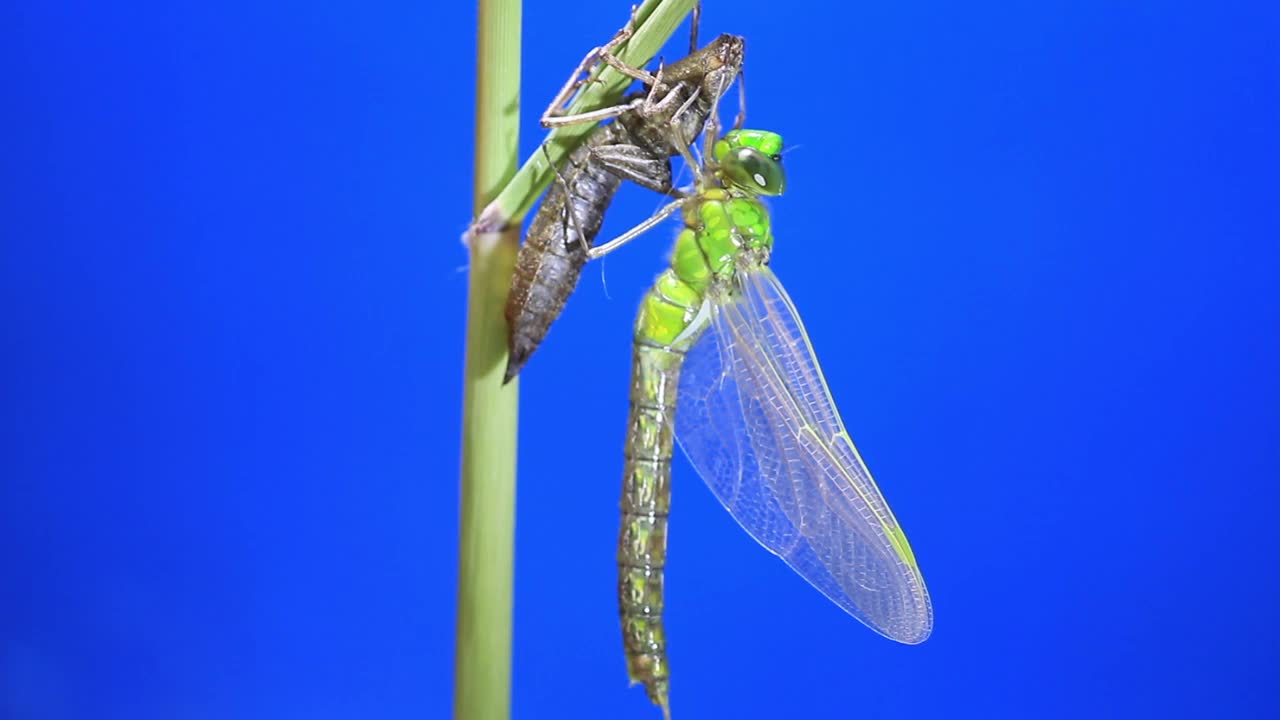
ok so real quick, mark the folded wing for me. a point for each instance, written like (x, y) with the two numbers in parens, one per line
(757, 421)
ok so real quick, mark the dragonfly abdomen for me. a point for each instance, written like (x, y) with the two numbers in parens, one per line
(646, 486)
(646, 503)
(551, 259)
(717, 227)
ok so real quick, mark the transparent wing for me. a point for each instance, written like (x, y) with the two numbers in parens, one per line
(757, 421)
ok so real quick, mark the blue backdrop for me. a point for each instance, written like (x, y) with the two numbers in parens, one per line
(1036, 245)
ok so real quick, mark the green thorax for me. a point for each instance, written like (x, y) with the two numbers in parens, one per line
(726, 232)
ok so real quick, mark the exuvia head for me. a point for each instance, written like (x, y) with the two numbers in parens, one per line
(751, 160)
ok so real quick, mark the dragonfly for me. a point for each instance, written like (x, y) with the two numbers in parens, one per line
(723, 365)
(636, 147)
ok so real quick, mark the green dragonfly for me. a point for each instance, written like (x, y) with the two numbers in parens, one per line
(722, 363)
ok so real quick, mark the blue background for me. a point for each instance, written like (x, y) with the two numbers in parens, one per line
(1036, 245)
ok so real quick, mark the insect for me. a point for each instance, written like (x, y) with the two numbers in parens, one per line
(637, 146)
(722, 363)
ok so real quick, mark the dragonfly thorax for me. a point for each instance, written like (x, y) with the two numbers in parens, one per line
(726, 234)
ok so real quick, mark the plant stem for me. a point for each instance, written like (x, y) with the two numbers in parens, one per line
(482, 662)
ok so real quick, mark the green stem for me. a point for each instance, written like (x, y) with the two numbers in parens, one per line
(482, 663)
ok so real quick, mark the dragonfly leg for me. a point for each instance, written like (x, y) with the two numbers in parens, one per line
(555, 110)
(551, 120)
(711, 131)
(554, 115)
(655, 109)
(653, 105)
(606, 52)
(614, 62)
(694, 22)
(635, 232)
(567, 216)
(741, 119)
(640, 166)
(681, 142)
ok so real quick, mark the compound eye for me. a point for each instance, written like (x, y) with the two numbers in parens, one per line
(755, 171)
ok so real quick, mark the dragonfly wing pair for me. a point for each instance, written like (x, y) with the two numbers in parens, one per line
(756, 419)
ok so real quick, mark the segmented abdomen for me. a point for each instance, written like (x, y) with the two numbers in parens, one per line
(555, 249)
(646, 503)
(646, 480)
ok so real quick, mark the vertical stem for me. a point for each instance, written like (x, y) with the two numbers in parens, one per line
(482, 663)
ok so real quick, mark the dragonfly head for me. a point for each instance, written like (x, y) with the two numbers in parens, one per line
(751, 160)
